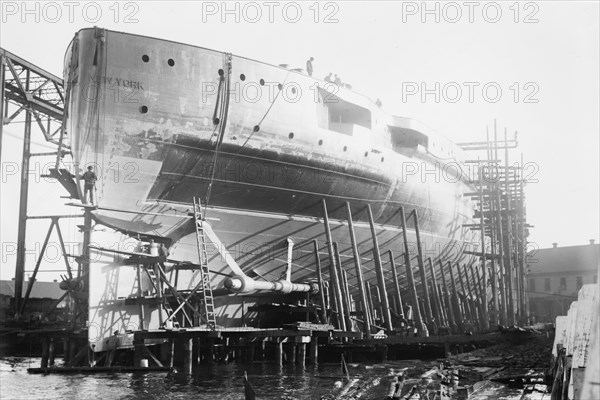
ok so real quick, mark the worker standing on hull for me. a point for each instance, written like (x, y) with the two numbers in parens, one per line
(89, 179)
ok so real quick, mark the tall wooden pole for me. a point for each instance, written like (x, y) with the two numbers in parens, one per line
(426, 301)
(359, 273)
(398, 295)
(385, 305)
(335, 279)
(421, 328)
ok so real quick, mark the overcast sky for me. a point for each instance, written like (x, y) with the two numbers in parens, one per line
(543, 56)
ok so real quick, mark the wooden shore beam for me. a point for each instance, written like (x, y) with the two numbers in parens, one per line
(397, 294)
(437, 307)
(343, 287)
(423, 273)
(421, 328)
(449, 304)
(335, 279)
(359, 273)
(459, 317)
(470, 314)
(385, 304)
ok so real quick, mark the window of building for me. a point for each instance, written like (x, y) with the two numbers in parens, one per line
(579, 282)
(547, 284)
(531, 285)
(563, 283)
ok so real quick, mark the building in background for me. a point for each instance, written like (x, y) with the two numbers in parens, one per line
(42, 298)
(555, 277)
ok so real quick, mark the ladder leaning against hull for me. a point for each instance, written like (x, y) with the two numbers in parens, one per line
(209, 306)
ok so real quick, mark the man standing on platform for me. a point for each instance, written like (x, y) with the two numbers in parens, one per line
(89, 178)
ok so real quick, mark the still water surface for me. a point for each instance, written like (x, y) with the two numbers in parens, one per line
(221, 381)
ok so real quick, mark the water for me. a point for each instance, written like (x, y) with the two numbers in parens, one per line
(221, 381)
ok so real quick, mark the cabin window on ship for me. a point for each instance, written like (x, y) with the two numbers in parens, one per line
(341, 116)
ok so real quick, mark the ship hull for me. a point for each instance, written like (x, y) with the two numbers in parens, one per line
(153, 118)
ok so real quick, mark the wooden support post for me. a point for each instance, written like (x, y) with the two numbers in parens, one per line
(474, 295)
(250, 353)
(385, 305)
(479, 287)
(51, 352)
(459, 318)
(278, 352)
(45, 352)
(483, 297)
(421, 328)
(170, 356)
(372, 313)
(426, 302)
(187, 355)
(443, 306)
(66, 350)
(302, 354)
(500, 239)
(467, 306)
(448, 301)
(359, 273)
(320, 282)
(398, 295)
(437, 306)
(138, 351)
(349, 321)
(335, 279)
(291, 353)
(343, 287)
(314, 350)
(508, 253)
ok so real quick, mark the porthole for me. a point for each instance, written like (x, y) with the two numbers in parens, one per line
(320, 142)
(291, 135)
(171, 62)
(143, 109)
(242, 77)
(145, 58)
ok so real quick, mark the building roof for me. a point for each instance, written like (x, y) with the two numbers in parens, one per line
(40, 290)
(563, 259)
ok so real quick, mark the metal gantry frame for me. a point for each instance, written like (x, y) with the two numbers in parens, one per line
(30, 90)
